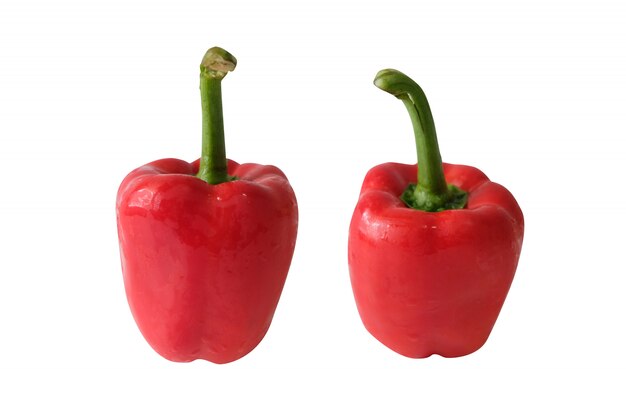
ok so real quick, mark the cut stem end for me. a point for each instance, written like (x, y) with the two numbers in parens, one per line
(217, 62)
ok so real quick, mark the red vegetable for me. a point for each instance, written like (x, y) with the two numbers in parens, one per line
(206, 246)
(431, 263)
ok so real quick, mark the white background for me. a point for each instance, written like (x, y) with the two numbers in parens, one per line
(531, 92)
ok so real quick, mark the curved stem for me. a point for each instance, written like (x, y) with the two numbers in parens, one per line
(215, 64)
(431, 193)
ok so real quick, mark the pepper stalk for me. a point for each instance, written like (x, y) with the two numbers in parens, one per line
(431, 193)
(215, 64)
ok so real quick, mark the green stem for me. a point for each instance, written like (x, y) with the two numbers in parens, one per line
(431, 193)
(213, 68)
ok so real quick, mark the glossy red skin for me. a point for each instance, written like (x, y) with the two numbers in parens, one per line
(204, 265)
(432, 283)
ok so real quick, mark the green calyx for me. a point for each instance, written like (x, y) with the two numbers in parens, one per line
(420, 199)
(215, 64)
(431, 193)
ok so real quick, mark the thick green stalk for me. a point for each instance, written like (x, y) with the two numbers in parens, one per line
(213, 68)
(431, 193)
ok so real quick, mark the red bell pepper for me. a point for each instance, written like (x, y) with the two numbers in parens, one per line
(206, 246)
(431, 263)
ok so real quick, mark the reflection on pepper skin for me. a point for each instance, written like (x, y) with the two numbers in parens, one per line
(204, 265)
